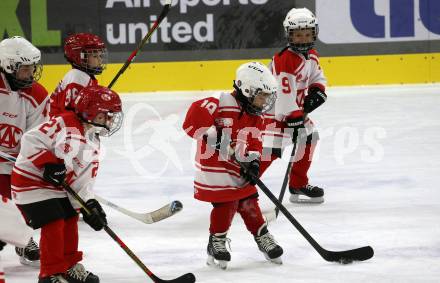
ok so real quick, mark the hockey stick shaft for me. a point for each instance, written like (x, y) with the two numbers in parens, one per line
(133, 55)
(148, 217)
(287, 175)
(188, 277)
(164, 212)
(7, 157)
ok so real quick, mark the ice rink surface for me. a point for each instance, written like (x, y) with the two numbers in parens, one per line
(378, 160)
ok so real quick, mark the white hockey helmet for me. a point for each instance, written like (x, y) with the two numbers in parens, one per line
(16, 52)
(299, 19)
(253, 79)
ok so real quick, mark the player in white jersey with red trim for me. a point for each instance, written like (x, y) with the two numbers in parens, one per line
(302, 90)
(88, 56)
(23, 105)
(64, 149)
(235, 120)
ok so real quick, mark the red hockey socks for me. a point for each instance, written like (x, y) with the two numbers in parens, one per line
(298, 174)
(59, 246)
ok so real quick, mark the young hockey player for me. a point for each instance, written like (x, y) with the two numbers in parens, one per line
(302, 90)
(87, 54)
(65, 149)
(23, 104)
(235, 119)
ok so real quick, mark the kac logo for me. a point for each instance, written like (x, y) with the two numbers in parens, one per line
(9, 135)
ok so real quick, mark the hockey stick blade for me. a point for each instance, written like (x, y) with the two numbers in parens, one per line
(345, 257)
(185, 278)
(162, 213)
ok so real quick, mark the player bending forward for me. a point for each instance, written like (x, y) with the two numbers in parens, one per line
(234, 120)
(302, 84)
(65, 149)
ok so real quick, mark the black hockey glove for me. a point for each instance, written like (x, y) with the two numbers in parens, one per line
(97, 217)
(297, 124)
(54, 173)
(314, 99)
(250, 171)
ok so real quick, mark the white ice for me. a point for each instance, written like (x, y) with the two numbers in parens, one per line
(378, 160)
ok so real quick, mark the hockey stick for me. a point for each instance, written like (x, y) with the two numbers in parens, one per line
(166, 211)
(132, 56)
(186, 278)
(7, 157)
(287, 175)
(146, 217)
(343, 257)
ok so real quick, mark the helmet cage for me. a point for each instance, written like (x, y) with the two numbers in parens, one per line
(25, 83)
(84, 57)
(247, 101)
(112, 124)
(270, 100)
(301, 47)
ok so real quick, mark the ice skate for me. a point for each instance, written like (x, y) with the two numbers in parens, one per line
(78, 274)
(218, 255)
(29, 255)
(268, 246)
(307, 194)
(53, 279)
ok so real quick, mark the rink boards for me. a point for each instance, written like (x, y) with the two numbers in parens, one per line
(218, 74)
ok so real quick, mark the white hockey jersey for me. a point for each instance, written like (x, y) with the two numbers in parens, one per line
(67, 90)
(61, 140)
(295, 75)
(19, 111)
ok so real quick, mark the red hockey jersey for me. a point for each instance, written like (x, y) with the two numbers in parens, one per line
(296, 75)
(67, 90)
(217, 178)
(20, 111)
(61, 140)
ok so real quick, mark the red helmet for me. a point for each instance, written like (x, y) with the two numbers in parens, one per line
(94, 100)
(77, 48)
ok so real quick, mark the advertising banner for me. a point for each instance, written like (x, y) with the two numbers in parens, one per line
(190, 25)
(368, 21)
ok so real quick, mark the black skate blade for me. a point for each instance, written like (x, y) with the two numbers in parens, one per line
(345, 257)
(185, 278)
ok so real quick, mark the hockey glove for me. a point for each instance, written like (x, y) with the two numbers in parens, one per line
(250, 171)
(297, 125)
(54, 173)
(97, 217)
(314, 99)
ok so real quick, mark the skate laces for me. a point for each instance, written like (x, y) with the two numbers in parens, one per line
(32, 246)
(78, 272)
(219, 244)
(266, 241)
(309, 187)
